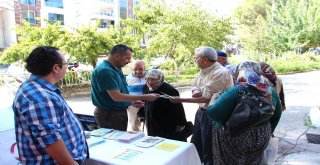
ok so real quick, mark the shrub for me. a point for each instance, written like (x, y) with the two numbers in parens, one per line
(190, 71)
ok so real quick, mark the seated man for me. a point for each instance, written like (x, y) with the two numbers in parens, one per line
(163, 118)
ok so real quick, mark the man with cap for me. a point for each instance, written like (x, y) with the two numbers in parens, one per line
(213, 78)
(223, 60)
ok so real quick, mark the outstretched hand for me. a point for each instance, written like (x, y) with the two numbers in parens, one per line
(138, 103)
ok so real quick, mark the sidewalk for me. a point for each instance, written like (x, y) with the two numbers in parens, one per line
(293, 145)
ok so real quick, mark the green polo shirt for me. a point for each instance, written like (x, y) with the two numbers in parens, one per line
(106, 77)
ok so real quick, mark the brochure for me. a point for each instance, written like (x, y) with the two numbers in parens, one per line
(167, 147)
(130, 136)
(149, 142)
(128, 155)
(114, 135)
(100, 132)
(93, 141)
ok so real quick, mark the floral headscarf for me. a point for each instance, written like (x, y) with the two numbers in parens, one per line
(156, 74)
(268, 72)
(250, 73)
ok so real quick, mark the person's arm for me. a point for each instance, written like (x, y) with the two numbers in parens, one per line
(60, 153)
(274, 120)
(120, 97)
(43, 116)
(190, 100)
(222, 108)
(281, 95)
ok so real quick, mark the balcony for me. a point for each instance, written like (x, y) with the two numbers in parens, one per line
(107, 4)
(54, 4)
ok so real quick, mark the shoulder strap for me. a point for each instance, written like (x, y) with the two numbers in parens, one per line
(241, 89)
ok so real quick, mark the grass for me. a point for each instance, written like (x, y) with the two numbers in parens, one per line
(181, 78)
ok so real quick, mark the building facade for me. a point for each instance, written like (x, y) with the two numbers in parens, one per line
(7, 24)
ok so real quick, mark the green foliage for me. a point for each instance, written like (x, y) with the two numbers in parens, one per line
(190, 71)
(76, 78)
(272, 27)
(181, 78)
(175, 31)
(86, 44)
(286, 63)
(30, 37)
(291, 63)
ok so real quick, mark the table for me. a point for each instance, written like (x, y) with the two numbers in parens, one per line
(109, 151)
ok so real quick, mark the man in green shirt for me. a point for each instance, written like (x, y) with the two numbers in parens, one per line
(109, 91)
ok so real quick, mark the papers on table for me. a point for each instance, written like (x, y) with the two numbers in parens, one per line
(128, 154)
(100, 132)
(131, 136)
(114, 135)
(167, 147)
(149, 142)
(93, 141)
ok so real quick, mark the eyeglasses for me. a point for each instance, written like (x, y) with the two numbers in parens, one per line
(65, 63)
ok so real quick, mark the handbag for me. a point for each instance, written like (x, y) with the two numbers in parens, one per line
(251, 111)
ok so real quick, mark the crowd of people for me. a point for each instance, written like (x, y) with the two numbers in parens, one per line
(48, 132)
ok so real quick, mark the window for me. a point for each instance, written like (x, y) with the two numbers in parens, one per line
(28, 2)
(29, 16)
(108, 1)
(123, 9)
(54, 3)
(106, 12)
(53, 17)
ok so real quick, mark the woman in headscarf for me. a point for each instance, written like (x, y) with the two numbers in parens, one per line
(248, 146)
(273, 81)
(163, 118)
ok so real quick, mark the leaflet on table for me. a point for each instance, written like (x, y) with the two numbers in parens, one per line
(128, 155)
(149, 141)
(93, 141)
(167, 147)
(100, 132)
(114, 135)
(130, 136)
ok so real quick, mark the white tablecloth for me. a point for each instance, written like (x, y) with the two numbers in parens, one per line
(107, 152)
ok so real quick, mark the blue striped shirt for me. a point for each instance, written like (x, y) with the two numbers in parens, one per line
(42, 117)
(135, 84)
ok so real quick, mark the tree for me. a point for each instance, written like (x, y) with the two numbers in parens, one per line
(175, 31)
(30, 37)
(86, 44)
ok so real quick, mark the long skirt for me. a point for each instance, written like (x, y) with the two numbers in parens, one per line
(246, 148)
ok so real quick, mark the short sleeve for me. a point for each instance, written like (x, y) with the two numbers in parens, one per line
(218, 83)
(43, 118)
(107, 80)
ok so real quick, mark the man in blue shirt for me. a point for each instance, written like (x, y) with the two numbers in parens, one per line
(223, 60)
(109, 92)
(47, 131)
(136, 81)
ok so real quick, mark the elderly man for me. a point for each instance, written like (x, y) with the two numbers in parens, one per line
(109, 92)
(223, 60)
(136, 81)
(213, 78)
(47, 131)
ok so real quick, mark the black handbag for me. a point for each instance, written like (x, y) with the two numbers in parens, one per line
(251, 111)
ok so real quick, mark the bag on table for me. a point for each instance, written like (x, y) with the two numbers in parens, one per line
(250, 111)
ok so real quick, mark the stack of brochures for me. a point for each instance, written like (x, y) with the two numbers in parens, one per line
(130, 136)
(93, 141)
(100, 132)
(114, 135)
(150, 141)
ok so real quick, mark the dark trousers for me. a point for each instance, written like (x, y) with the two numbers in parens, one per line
(112, 118)
(202, 136)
